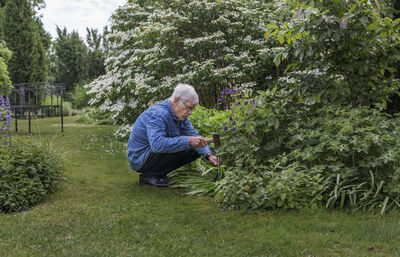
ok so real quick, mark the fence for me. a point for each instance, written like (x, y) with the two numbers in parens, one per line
(43, 99)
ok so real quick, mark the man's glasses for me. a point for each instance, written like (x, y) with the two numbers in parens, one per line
(189, 108)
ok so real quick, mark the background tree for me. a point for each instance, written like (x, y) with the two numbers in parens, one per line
(22, 36)
(95, 57)
(69, 57)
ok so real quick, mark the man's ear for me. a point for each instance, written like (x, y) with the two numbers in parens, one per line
(176, 99)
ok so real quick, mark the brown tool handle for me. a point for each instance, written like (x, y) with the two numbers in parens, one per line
(209, 140)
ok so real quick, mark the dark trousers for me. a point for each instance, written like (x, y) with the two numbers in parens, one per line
(160, 164)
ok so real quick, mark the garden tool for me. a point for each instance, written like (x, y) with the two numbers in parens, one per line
(216, 140)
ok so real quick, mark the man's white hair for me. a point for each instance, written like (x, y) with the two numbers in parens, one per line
(186, 92)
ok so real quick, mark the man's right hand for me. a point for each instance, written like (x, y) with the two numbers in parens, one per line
(197, 141)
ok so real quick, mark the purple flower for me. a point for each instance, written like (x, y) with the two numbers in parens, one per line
(244, 123)
(5, 111)
(234, 129)
(253, 102)
(230, 118)
(233, 123)
(221, 99)
(239, 103)
(246, 103)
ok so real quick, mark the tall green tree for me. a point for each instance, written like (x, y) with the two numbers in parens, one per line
(95, 57)
(22, 35)
(69, 59)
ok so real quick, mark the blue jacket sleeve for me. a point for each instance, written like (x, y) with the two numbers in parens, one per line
(157, 135)
(188, 130)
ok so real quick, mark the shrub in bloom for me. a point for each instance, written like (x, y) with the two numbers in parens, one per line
(153, 45)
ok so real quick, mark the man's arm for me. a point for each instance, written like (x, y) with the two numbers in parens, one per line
(158, 140)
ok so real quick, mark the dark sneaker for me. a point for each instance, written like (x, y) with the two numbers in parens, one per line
(153, 181)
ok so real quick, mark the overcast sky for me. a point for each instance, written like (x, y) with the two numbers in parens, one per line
(78, 14)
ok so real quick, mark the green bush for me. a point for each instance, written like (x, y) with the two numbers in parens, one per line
(271, 187)
(207, 121)
(80, 97)
(67, 108)
(338, 51)
(94, 116)
(27, 174)
(342, 157)
(360, 150)
(282, 154)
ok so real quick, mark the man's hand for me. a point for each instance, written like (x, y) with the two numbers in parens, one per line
(215, 160)
(197, 141)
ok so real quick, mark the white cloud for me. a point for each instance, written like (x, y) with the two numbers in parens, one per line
(78, 14)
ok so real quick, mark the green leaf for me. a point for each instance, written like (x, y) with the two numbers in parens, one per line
(267, 35)
(384, 205)
(277, 59)
(272, 25)
(276, 124)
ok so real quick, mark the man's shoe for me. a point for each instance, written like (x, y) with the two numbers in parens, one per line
(153, 181)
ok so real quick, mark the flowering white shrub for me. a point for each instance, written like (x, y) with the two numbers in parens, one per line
(154, 45)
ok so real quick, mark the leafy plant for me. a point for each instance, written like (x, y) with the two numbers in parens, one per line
(197, 180)
(27, 174)
(206, 121)
(282, 154)
(360, 149)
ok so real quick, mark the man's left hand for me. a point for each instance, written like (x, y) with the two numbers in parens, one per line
(215, 160)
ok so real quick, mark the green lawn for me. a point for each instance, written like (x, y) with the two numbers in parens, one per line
(102, 211)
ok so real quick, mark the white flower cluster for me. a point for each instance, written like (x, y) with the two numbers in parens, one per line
(153, 47)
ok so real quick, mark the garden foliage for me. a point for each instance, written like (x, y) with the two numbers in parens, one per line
(155, 45)
(314, 140)
(338, 51)
(277, 155)
(310, 136)
(27, 174)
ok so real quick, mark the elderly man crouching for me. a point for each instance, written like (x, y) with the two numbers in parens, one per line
(163, 138)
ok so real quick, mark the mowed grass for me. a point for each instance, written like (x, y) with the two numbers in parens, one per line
(101, 210)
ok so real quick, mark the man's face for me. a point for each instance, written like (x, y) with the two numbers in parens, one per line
(182, 108)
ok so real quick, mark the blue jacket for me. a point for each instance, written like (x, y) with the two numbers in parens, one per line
(157, 130)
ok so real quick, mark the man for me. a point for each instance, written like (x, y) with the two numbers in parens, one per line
(163, 138)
